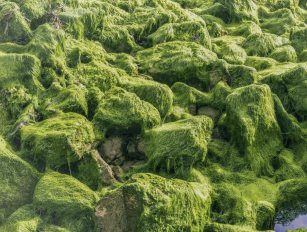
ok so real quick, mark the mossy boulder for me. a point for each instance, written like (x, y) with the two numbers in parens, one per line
(18, 180)
(298, 39)
(253, 127)
(19, 70)
(185, 31)
(239, 11)
(157, 94)
(63, 200)
(260, 63)
(175, 147)
(262, 44)
(57, 142)
(232, 53)
(284, 54)
(290, 79)
(24, 219)
(230, 207)
(123, 112)
(13, 25)
(152, 203)
(287, 167)
(70, 99)
(177, 61)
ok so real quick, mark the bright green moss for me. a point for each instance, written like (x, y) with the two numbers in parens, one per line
(19, 70)
(186, 96)
(278, 22)
(153, 203)
(159, 95)
(122, 112)
(287, 167)
(298, 39)
(260, 63)
(18, 180)
(63, 199)
(125, 62)
(244, 29)
(175, 147)
(252, 124)
(239, 10)
(13, 26)
(23, 219)
(288, 81)
(229, 207)
(240, 75)
(284, 54)
(70, 99)
(292, 192)
(177, 61)
(232, 53)
(57, 141)
(186, 31)
(262, 44)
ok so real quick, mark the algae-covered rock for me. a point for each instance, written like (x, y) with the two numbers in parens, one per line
(122, 112)
(284, 54)
(57, 141)
(186, 31)
(240, 10)
(232, 53)
(262, 44)
(24, 219)
(298, 39)
(175, 147)
(70, 99)
(19, 70)
(153, 203)
(18, 180)
(229, 207)
(177, 61)
(64, 200)
(253, 127)
(157, 94)
(13, 25)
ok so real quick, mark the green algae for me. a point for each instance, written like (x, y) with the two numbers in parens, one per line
(145, 69)
(66, 201)
(123, 112)
(17, 183)
(57, 141)
(175, 147)
(245, 120)
(161, 205)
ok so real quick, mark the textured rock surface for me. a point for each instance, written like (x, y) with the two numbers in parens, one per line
(152, 115)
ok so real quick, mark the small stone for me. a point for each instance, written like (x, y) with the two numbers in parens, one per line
(111, 149)
(208, 111)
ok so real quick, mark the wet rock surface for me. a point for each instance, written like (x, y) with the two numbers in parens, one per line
(152, 115)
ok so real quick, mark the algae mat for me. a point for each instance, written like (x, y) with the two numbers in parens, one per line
(153, 115)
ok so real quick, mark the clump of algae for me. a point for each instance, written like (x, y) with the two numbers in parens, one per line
(200, 107)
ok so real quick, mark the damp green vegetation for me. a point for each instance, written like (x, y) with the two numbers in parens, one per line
(152, 115)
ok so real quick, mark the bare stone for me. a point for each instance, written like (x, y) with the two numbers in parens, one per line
(111, 149)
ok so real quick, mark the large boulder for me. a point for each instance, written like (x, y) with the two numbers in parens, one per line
(149, 203)
(175, 147)
(253, 126)
(13, 25)
(19, 70)
(123, 112)
(63, 200)
(239, 10)
(57, 142)
(18, 180)
(178, 61)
